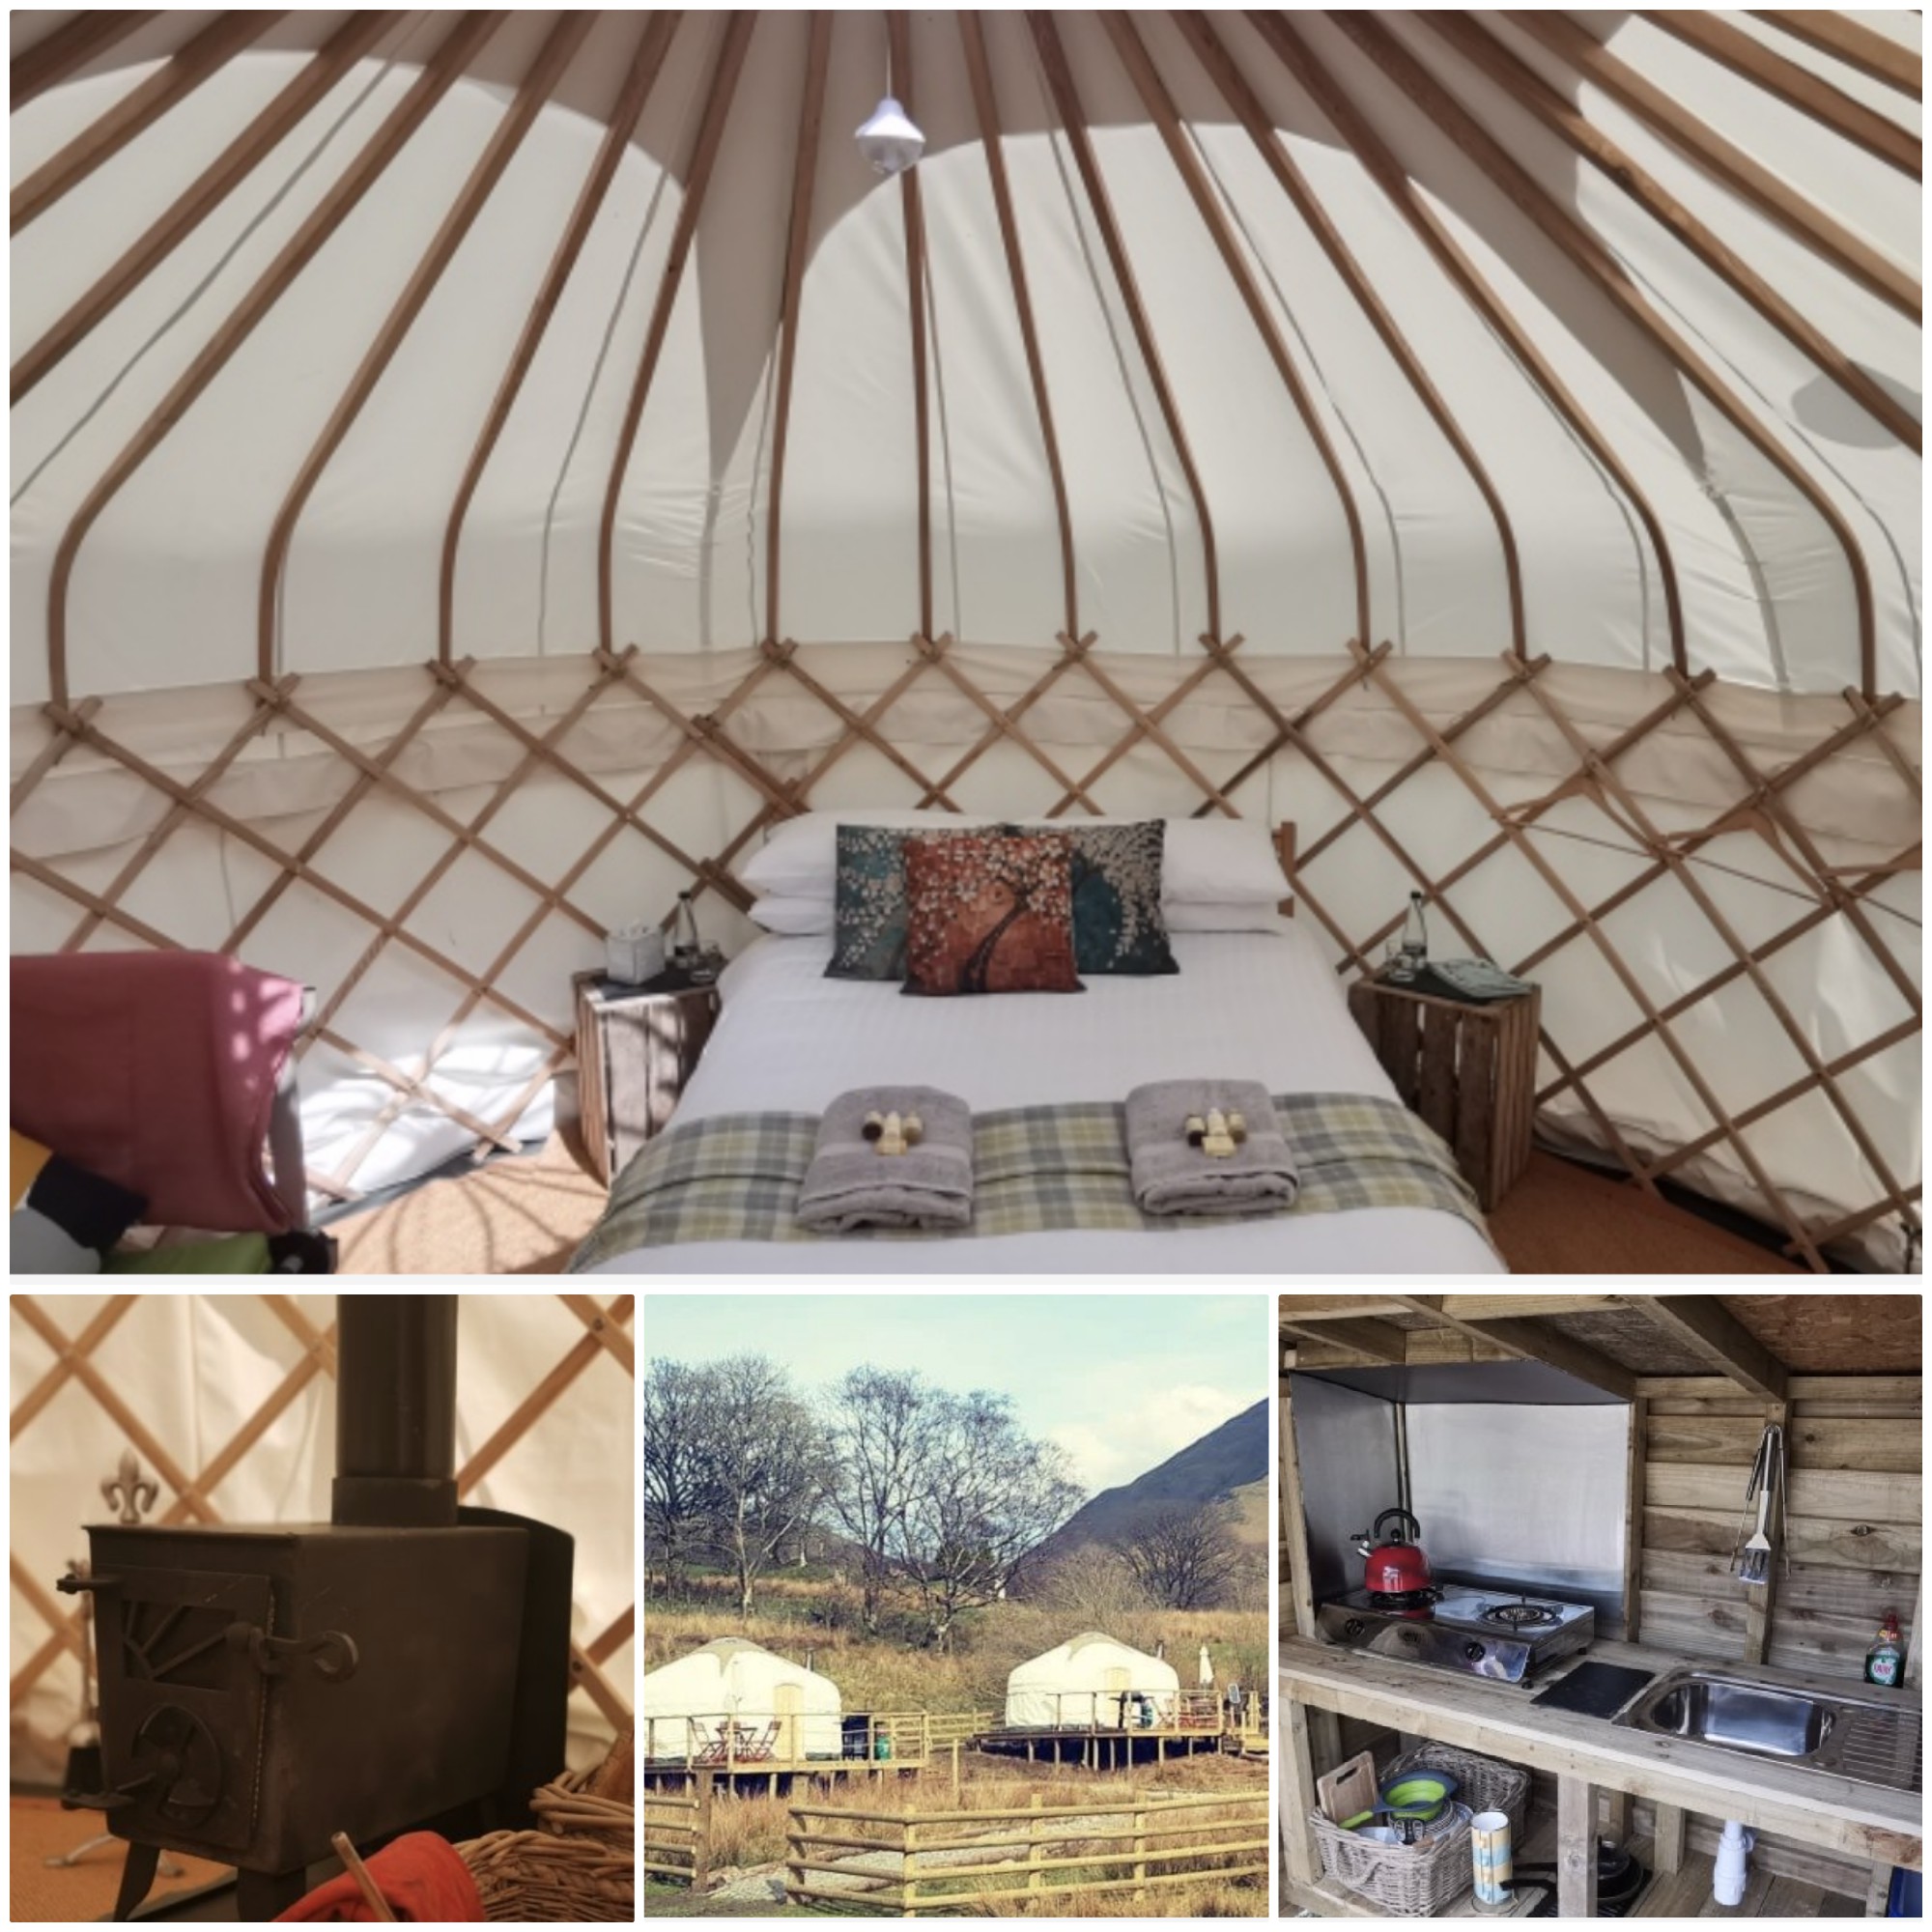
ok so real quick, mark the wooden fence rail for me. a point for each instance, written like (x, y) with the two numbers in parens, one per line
(953, 1861)
(677, 1834)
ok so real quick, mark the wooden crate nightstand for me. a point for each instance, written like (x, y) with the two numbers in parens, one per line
(1468, 1070)
(636, 1047)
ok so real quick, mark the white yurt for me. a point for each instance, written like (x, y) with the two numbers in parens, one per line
(731, 1680)
(1090, 1681)
(481, 480)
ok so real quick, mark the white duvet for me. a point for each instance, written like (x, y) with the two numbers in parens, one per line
(1248, 1005)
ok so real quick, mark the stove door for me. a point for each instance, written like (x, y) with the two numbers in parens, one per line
(181, 1703)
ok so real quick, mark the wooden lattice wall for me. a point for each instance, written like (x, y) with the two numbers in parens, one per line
(1596, 798)
(188, 1483)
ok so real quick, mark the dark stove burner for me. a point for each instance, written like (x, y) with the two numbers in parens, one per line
(1419, 1601)
(1520, 1616)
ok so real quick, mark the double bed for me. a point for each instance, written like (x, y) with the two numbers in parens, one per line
(1260, 1006)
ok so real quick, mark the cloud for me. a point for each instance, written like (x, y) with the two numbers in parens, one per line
(1138, 1434)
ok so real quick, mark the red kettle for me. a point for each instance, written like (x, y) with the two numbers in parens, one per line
(1397, 1568)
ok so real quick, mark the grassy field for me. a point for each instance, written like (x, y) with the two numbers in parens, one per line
(807, 1613)
(895, 1671)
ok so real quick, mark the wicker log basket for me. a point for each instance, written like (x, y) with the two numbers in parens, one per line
(1418, 1881)
(581, 1862)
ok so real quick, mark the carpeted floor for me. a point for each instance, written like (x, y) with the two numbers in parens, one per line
(40, 1829)
(525, 1215)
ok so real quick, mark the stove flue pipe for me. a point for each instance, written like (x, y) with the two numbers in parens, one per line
(395, 1411)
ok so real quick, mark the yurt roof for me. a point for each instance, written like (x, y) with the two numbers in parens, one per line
(342, 339)
(473, 472)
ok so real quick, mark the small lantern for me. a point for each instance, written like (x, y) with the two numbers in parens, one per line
(889, 140)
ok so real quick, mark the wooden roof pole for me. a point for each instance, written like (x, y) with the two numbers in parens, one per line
(1708, 1329)
(101, 139)
(898, 40)
(1522, 81)
(1765, 189)
(698, 180)
(1152, 90)
(1073, 121)
(1533, 1339)
(1850, 40)
(805, 171)
(68, 48)
(626, 112)
(1383, 1339)
(463, 39)
(203, 195)
(539, 82)
(1284, 39)
(1796, 85)
(1233, 83)
(986, 106)
(1607, 273)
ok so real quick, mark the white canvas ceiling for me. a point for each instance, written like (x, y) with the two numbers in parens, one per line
(425, 365)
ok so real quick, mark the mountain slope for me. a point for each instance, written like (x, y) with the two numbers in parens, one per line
(1229, 1462)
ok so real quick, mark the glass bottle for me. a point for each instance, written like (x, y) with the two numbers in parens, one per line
(1414, 939)
(686, 949)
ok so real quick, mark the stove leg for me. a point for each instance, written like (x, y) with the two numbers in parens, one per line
(262, 1897)
(136, 1876)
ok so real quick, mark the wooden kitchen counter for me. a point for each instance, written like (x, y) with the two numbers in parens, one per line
(1835, 1814)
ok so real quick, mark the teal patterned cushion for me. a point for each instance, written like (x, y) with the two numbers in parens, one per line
(1116, 922)
(869, 916)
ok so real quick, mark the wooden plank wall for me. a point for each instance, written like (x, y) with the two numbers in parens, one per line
(1855, 1529)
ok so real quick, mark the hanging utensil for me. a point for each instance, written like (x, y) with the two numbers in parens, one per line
(1754, 1567)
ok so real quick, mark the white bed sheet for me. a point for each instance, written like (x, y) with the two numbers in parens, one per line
(1248, 1005)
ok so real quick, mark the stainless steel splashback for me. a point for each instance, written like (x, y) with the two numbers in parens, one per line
(1527, 1496)
(1345, 1443)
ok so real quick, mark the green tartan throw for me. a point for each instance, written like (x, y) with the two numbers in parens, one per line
(736, 1176)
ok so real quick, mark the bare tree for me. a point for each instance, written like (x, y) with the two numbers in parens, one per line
(676, 1523)
(1184, 1555)
(990, 1496)
(762, 1454)
(881, 1428)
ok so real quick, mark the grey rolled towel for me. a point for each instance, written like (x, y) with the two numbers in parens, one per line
(1172, 1177)
(849, 1185)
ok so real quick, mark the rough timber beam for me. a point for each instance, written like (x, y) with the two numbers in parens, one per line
(1706, 1327)
(1534, 1340)
(1379, 1339)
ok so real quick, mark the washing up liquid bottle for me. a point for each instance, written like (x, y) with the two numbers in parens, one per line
(1885, 1661)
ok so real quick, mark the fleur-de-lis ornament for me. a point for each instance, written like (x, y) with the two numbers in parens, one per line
(129, 1491)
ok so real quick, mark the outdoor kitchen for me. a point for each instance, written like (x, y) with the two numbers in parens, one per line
(1600, 1606)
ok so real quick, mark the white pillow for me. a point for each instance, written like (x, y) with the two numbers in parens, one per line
(1216, 861)
(793, 918)
(800, 857)
(1248, 917)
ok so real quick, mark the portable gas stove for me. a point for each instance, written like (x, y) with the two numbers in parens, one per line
(1498, 1633)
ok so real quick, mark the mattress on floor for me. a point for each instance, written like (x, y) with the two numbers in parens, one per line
(1245, 1006)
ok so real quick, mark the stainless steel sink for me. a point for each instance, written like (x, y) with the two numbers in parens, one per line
(1875, 1740)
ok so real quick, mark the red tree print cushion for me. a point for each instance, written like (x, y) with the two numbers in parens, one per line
(989, 915)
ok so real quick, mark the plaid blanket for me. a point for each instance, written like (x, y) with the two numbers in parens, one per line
(736, 1176)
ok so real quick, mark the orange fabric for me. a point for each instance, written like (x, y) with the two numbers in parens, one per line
(420, 1877)
(24, 1160)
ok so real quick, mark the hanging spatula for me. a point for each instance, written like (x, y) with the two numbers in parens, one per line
(1755, 1565)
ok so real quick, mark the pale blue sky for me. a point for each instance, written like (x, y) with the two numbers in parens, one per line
(1119, 1381)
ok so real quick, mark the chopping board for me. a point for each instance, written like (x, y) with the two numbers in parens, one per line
(1347, 1790)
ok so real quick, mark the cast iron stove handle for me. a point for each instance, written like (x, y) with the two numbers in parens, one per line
(334, 1654)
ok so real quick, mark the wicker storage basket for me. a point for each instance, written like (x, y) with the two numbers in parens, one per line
(1417, 1881)
(579, 1863)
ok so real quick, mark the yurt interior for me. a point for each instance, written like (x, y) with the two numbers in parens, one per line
(1639, 1573)
(1354, 575)
(321, 1603)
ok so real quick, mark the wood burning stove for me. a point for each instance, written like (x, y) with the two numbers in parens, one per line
(406, 1663)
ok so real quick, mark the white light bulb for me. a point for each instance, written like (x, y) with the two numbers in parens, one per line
(889, 140)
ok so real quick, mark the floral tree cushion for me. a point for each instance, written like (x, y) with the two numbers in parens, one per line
(1118, 925)
(989, 913)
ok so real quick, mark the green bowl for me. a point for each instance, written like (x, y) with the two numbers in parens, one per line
(1418, 1793)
